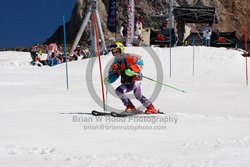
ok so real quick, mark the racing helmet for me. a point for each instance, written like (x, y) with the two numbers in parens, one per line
(119, 46)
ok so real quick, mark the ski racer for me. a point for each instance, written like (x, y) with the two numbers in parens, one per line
(129, 67)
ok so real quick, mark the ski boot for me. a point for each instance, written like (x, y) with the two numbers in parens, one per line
(151, 110)
(130, 108)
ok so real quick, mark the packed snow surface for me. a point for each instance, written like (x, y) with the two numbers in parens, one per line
(43, 124)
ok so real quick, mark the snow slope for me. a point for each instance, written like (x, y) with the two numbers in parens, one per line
(41, 124)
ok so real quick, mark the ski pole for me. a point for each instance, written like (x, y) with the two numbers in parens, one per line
(106, 104)
(165, 84)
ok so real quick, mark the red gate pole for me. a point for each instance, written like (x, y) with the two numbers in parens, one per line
(99, 57)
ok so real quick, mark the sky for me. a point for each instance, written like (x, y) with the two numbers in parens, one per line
(28, 22)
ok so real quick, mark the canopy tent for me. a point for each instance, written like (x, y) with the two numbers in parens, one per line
(157, 21)
(187, 14)
(196, 14)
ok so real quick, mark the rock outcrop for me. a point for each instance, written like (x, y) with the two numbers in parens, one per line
(232, 14)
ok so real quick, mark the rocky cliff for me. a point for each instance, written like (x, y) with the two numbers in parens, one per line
(232, 14)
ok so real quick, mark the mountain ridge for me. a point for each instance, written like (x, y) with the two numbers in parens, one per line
(232, 15)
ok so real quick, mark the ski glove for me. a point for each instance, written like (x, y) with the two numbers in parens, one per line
(130, 73)
(106, 81)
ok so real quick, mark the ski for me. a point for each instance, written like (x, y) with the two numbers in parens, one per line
(160, 112)
(122, 114)
(115, 114)
(100, 113)
(126, 114)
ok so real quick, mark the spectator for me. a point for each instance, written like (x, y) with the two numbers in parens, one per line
(86, 53)
(41, 58)
(53, 59)
(77, 51)
(124, 32)
(164, 25)
(207, 32)
(139, 30)
(37, 56)
(52, 49)
(33, 52)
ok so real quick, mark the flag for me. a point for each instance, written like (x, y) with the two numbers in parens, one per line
(131, 17)
(111, 21)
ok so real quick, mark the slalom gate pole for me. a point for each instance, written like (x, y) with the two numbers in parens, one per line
(193, 57)
(170, 36)
(99, 56)
(106, 104)
(65, 53)
(165, 84)
(170, 54)
(246, 48)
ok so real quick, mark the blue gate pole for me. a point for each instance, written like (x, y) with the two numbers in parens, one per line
(65, 53)
(193, 57)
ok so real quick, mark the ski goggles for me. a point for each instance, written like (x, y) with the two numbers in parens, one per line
(115, 50)
(114, 47)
